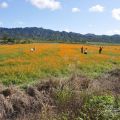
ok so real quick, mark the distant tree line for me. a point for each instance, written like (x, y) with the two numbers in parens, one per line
(34, 34)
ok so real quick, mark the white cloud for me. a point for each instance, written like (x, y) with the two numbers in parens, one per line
(116, 13)
(97, 8)
(75, 10)
(49, 4)
(67, 30)
(1, 23)
(20, 23)
(112, 32)
(3, 5)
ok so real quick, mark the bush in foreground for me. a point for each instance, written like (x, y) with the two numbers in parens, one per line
(74, 99)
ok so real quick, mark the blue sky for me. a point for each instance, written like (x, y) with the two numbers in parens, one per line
(81, 16)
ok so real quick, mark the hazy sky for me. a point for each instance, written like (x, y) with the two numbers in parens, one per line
(82, 16)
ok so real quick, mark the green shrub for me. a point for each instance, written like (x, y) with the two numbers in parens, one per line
(100, 108)
(63, 96)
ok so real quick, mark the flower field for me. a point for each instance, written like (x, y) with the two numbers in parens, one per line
(18, 65)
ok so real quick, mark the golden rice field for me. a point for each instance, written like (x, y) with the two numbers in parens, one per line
(18, 65)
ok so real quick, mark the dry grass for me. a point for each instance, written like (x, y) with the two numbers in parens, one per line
(53, 99)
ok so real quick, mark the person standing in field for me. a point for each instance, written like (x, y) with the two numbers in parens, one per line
(32, 49)
(82, 49)
(85, 51)
(100, 50)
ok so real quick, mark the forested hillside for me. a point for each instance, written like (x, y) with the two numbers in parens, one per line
(40, 34)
